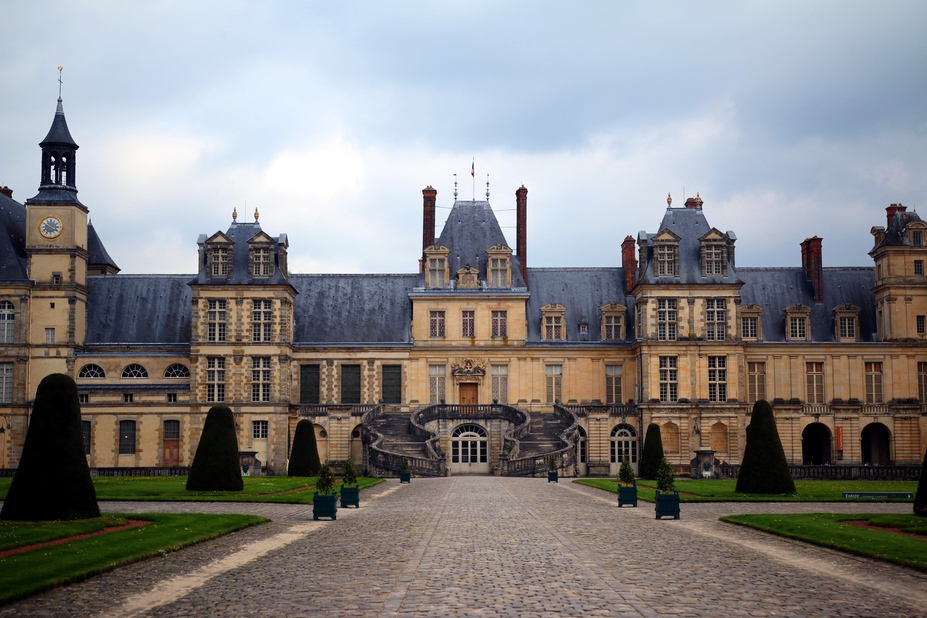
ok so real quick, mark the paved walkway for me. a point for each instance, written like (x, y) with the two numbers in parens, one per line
(494, 546)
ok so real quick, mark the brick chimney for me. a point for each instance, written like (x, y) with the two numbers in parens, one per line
(521, 229)
(429, 196)
(5, 190)
(812, 263)
(890, 213)
(629, 263)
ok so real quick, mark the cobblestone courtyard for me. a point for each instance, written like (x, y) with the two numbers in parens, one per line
(494, 546)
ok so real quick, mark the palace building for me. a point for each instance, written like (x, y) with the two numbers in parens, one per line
(472, 362)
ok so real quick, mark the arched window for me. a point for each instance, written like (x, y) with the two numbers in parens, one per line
(91, 371)
(624, 444)
(469, 445)
(7, 321)
(177, 370)
(134, 371)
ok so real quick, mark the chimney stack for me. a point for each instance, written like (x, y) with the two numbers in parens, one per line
(812, 263)
(890, 213)
(521, 229)
(5, 190)
(629, 264)
(429, 195)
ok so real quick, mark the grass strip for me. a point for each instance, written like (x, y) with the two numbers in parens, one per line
(18, 533)
(279, 489)
(46, 567)
(716, 490)
(831, 530)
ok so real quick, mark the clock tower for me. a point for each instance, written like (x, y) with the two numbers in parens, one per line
(56, 246)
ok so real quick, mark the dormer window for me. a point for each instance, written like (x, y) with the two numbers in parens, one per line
(714, 260)
(751, 326)
(436, 273)
(262, 261)
(917, 238)
(220, 259)
(797, 326)
(667, 259)
(846, 323)
(499, 272)
(552, 322)
(613, 322)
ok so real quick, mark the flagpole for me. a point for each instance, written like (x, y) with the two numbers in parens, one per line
(473, 178)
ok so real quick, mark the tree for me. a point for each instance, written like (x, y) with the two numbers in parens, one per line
(216, 465)
(304, 459)
(626, 473)
(920, 498)
(653, 453)
(666, 476)
(764, 469)
(53, 479)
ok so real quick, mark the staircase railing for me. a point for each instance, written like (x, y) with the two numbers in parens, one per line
(520, 420)
(564, 457)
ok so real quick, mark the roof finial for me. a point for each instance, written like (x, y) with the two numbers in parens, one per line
(235, 213)
(487, 187)
(60, 82)
(455, 187)
(698, 199)
(257, 215)
(669, 200)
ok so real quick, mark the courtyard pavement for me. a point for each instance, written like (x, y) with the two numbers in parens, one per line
(489, 546)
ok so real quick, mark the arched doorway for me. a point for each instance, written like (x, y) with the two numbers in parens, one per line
(876, 443)
(469, 450)
(321, 441)
(357, 446)
(623, 446)
(815, 445)
(582, 468)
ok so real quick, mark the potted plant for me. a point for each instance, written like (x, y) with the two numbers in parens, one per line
(324, 501)
(666, 498)
(405, 476)
(552, 474)
(627, 488)
(349, 495)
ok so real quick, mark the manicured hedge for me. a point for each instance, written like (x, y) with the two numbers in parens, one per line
(216, 465)
(304, 458)
(653, 453)
(764, 469)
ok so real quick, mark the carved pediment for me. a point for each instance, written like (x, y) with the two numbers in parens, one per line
(665, 235)
(500, 249)
(219, 239)
(468, 278)
(468, 370)
(261, 238)
(713, 234)
(613, 308)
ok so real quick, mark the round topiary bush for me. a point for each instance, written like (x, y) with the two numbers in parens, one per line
(216, 465)
(304, 458)
(765, 469)
(653, 453)
(920, 498)
(53, 479)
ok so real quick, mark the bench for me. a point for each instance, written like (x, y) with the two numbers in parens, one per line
(878, 494)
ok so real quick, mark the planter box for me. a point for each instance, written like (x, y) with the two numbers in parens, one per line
(552, 476)
(627, 496)
(324, 506)
(666, 505)
(405, 477)
(350, 496)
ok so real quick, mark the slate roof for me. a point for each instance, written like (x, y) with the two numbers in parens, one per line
(774, 289)
(59, 133)
(471, 228)
(12, 240)
(240, 234)
(97, 254)
(354, 309)
(582, 291)
(689, 224)
(139, 309)
(896, 234)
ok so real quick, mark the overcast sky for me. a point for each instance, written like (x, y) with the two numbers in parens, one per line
(791, 119)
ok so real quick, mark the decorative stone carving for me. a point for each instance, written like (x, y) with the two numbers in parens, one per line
(468, 370)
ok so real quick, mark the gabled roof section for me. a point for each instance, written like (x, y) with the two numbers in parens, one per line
(240, 235)
(353, 309)
(261, 238)
(12, 240)
(896, 234)
(59, 134)
(97, 254)
(471, 228)
(142, 309)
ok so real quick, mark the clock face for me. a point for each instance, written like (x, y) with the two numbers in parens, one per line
(50, 227)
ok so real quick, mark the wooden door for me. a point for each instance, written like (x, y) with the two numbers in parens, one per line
(469, 394)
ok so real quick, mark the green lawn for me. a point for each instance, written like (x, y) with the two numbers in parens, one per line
(286, 489)
(712, 490)
(46, 567)
(830, 530)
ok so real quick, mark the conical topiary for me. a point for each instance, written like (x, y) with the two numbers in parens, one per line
(764, 469)
(216, 465)
(304, 458)
(920, 498)
(53, 479)
(653, 453)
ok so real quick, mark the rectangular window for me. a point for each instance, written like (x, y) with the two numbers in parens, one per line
(612, 327)
(215, 378)
(922, 382)
(85, 431)
(873, 382)
(500, 383)
(848, 328)
(7, 322)
(815, 378)
(262, 316)
(669, 385)
(171, 430)
(260, 378)
(215, 318)
(128, 398)
(221, 261)
(6, 382)
(259, 429)
(468, 323)
(436, 272)
(436, 375)
(309, 384)
(748, 326)
(392, 384)
(83, 398)
(716, 318)
(262, 262)
(49, 336)
(666, 260)
(436, 326)
(350, 384)
(713, 262)
(553, 327)
(666, 319)
(500, 324)
(917, 238)
(554, 382)
(756, 382)
(172, 397)
(921, 320)
(797, 328)
(918, 267)
(613, 384)
(126, 437)
(498, 269)
(717, 378)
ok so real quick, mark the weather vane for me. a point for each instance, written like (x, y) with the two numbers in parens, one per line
(487, 187)
(60, 82)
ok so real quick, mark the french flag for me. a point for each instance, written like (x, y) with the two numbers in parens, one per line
(473, 168)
